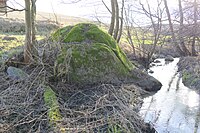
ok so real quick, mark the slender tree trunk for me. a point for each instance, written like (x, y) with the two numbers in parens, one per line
(129, 26)
(181, 39)
(130, 40)
(116, 30)
(30, 51)
(33, 27)
(28, 43)
(195, 28)
(33, 17)
(156, 31)
(121, 22)
(112, 23)
(178, 49)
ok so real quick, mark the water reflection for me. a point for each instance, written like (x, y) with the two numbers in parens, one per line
(175, 108)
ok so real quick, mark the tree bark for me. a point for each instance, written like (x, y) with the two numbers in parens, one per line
(130, 40)
(178, 49)
(181, 26)
(156, 32)
(28, 43)
(33, 28)
(195, 28)
(116, 30)
(30, 51)
(112, 23)
(33, 17)
(121, 22)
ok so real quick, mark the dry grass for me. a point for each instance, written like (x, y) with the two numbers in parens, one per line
(21, 105)
(103, 108)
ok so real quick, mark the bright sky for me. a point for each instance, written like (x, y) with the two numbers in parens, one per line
(80, 9)
(60, 8)
(85, 8)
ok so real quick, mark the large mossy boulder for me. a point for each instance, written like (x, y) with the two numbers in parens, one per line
(90, 56)
(86, 33)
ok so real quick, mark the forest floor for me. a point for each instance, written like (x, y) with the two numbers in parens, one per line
(102, 108)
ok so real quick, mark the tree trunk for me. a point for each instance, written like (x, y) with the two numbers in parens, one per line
(156, 31)
(178, 49)
(130, 40)
(30, 51)
(195, 28)
(112, 23)
(181, 39)
(121, 22)
(28, 43)
(33, 17)
(33, 28)
(116, 30)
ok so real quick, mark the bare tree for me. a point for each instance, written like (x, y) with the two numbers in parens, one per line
(144, 39)
(116, 24)
(28, 44)
(29, 48)
(181, 27)
(33, 18)
(112, 23)
(116, 30)
(30, 39)
(4, 8)
(178, 49)
(121, 22)
(195, 6)
(188, 29)
(156, 25)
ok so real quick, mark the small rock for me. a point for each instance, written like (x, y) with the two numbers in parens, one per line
(147, 82)
(151, 65)
(16, 73)
(156, 61)
(161, 56)
(169, 58)
(149, 128)
(9, 38)
(150, 71)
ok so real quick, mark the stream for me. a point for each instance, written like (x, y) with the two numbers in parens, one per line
(175, 108)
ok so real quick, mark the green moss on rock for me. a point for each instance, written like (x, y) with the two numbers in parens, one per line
(186, 76)
(95, 56)
(93, 63)
(83, 32)
(52, 103)
(189, 78)
(59, 35)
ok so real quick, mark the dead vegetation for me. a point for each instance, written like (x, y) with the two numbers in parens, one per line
(10, 25)
(100, 109)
